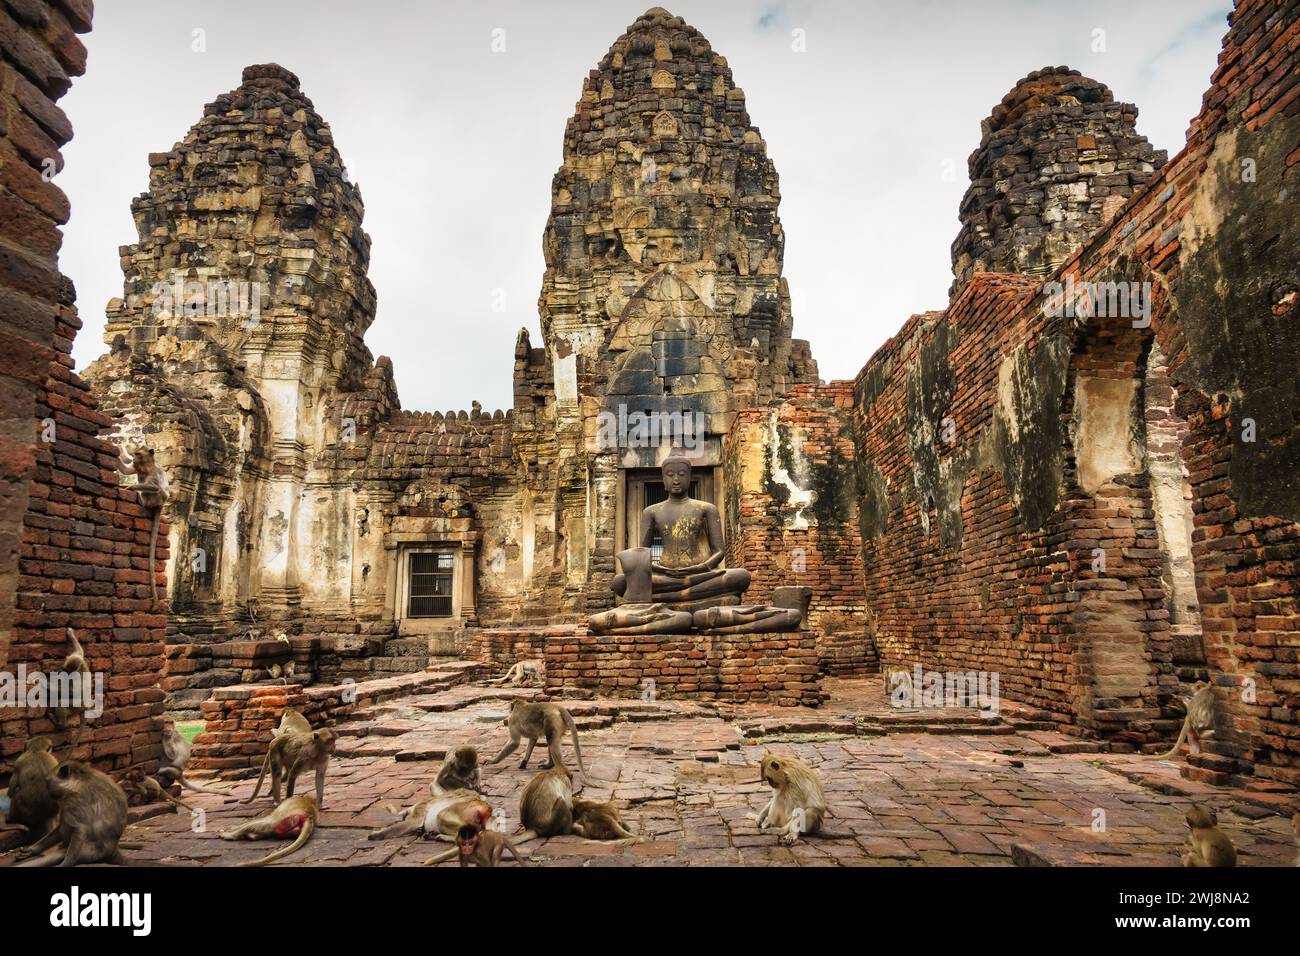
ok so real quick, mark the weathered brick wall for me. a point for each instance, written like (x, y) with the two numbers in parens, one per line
(737, 668)
(791, 517)
(74, 543)
(1008, 582)
(502, 647)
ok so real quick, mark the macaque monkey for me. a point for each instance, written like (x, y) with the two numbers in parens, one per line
(296, 816)
(141, 789)
(524, 674)
(1198, 723)
(539, 720)
(176, 754)
(459, 772)
(599, 821)
(484, 847)
(292, 722)
(92, 818)
(153, 491)
(74, 663)
(799, 805)
(546, 805)
(1207, 845)
(443, 815)
(33, 804)
(292, 752)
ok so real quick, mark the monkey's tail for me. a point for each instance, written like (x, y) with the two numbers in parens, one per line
(76, 644)
(266, 762)
(573, 729)
(197, 789)
(307, 827)
(1182, 735)
(153, 550)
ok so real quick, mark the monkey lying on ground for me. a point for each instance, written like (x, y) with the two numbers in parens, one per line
(443, 814)
(290, 754)
(176, 754)
(92, 817)
(599, 821)
(141, 789)
(74, 715)
(524, 674)
(459, 772)
(295, 816)
(1207, 845)
(1199, 721)
(33, 804)
(539, 720)
(799, 805)
(484, 847)
(153, 491)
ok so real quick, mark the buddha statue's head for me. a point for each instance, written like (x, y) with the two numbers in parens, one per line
(676, 472)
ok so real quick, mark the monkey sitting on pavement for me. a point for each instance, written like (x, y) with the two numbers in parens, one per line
(459, 771)
(176, 754)
(799, 805)
(33, 804)
(92, 818)
(1207, 845)
(290, 754)
(484, 847)
(534, 720)
(296, 816)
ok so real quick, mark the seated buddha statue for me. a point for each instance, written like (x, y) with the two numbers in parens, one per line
(688, 587)
(689, 574)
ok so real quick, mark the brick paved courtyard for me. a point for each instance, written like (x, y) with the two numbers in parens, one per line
(905, 788)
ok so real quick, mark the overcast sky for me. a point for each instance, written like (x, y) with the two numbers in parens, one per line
(454, 145)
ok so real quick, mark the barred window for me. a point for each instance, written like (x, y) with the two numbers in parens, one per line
(430, 576)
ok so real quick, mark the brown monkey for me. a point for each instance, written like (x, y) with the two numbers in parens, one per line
(546, 805)
(1207, 845)
(799, 805)
(524, 674)
(599, 821)
(141, 789)
(153, 491)
(176, 754)
(289, 755)
(484, 847)
(539, 720)
(92, 817)
(443, 814)
(459, 772)
(75, 664)
(1198, 723)
(32, 801)
(296, 816)
(292, 722)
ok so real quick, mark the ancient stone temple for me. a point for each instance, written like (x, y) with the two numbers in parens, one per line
(1078, 475)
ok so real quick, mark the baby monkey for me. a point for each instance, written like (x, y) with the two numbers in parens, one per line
(1207, 845)
(459, 772)
(484, 847)
(141, 789)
